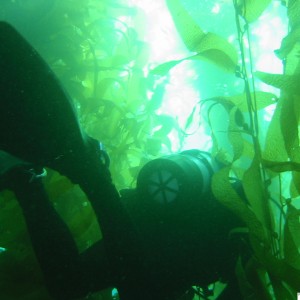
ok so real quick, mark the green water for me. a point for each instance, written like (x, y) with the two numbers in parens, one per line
(148, 81)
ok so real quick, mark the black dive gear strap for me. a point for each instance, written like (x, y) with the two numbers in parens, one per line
(9, 164)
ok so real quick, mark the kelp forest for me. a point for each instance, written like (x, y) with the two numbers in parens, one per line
(150, 78)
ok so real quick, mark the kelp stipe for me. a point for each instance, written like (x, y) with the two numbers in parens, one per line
(244, 138)
(283, 276)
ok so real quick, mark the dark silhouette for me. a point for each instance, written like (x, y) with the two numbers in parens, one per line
(145, 255)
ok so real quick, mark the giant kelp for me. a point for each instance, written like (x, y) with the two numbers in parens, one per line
(287, 124)
(281, 264)
(101, 60)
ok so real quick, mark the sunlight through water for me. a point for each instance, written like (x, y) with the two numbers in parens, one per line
(182, 91)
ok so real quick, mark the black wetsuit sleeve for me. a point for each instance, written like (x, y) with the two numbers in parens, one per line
(67, 274)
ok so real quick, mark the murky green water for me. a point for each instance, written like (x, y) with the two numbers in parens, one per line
(150, 79)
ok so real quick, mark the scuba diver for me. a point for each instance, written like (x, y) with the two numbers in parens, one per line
(159, 239)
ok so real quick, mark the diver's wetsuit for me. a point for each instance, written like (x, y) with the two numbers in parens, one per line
(38, 125)
(69, 275)
(140, 266)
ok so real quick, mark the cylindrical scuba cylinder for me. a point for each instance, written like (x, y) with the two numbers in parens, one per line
(170, 183)
(181, 222)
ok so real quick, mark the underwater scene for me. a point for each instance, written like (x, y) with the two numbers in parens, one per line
(149, 150)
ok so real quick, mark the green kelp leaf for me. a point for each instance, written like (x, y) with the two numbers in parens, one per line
(248, 153)
(189, 30)
(255, 193)
(292, 237)
(263, 100)
(207, 45)
(256, 275)
(289, 125)
(280, 167)
(276, 267)
(217, 50)
(57, 185)
(75, 209)
(225, 193)
(212, 48)
(293, 12)
(213, 103)
(274, 145)
(233, 126)
(289, 83)
(164, 68)
(295, 185)
(282, 144)
(190, 118)
(243, 280)
(252, 9)
(281, 290)
(234, 135)
(288, 43)
(289, 121)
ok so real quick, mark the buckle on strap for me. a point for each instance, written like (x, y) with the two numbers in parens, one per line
(37, 174)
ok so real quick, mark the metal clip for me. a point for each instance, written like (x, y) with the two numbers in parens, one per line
(35, 175)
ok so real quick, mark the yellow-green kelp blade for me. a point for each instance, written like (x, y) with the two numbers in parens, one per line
(251, 9)
(207, 45)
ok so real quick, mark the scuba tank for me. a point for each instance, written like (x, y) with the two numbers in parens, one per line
(176, 182)
(184, 228)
